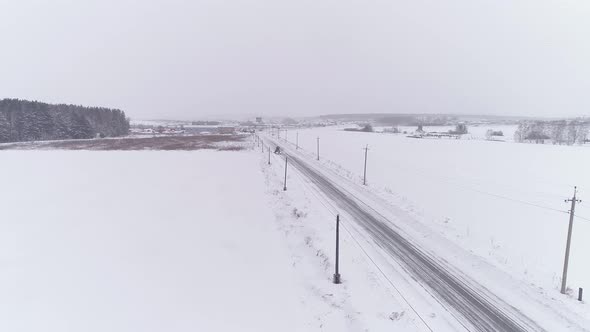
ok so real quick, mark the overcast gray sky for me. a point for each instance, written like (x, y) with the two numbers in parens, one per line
(189, 59)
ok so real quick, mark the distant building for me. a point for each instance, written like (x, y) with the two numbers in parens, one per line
(258, 119)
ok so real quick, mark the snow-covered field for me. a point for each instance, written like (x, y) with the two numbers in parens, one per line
(175, 241)
(142, 241)
(208, 240)
(502, 201)
(477, 132)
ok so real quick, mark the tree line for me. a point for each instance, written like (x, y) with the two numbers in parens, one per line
(559, 131)
(22, 120)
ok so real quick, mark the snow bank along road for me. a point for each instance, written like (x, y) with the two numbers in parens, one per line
(475, 308)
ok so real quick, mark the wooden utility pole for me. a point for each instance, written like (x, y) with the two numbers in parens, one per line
(573, 200)
(269, 154)
(365, 171)
(337, 272)
(318, 148)
(285, 183)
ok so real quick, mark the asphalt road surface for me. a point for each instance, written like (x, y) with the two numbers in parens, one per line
(475, 309)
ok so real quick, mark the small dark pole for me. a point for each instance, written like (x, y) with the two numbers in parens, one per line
(318, 148)
(285, 183)
(337, 273)
(365, 172)
(269, 154)
(297, 141)
(574, 200)
(580, 293)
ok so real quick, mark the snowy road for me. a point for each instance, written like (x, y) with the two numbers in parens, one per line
(475, 307)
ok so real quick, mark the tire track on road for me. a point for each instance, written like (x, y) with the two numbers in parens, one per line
(478, 311)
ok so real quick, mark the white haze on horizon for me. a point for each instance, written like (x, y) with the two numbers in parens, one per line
(196, 59)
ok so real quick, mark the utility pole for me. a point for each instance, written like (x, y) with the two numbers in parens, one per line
(336, 272)
(318, 148)
(297, 141)
(285, 183)
(365, 172)
(269, 154)
(574, 200)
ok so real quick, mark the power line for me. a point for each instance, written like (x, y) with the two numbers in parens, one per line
(517, 200)
(454, 182)
(583, 218)
(333, 210)
(573, 200)
(365, 169)
(457, 184)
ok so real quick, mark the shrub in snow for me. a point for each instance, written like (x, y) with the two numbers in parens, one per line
(298, 214)
(460, 129)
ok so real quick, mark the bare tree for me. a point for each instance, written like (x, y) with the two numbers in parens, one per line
(562, 131)
(584, 127)
(558, 131)
(522, 131)
(572, 133)
(578, 132)
(491, 134)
